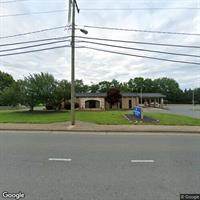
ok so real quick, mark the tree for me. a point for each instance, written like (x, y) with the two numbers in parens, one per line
(62, 93)
(104, 86)
(170, 88)
(11, 95)
(139, 84)
(94, 88)
(197, 95)
(81, 87)
(38, 88)
(115, 84)
(113, 96)
(46, 87)
(30, 92)
(6, 80)
(125, 87)
(148, 85)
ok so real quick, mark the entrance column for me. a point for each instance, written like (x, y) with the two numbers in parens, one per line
(162, 103)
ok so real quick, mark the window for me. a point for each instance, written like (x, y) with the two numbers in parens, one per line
(129, 104)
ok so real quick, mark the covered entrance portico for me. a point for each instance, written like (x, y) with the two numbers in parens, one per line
(92, 104)
(152, 100)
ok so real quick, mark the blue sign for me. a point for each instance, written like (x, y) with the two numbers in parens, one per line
(137, 112)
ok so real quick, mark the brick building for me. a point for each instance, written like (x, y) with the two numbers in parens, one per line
(97, 101)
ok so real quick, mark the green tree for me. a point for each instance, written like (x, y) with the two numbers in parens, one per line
(81, 87)
(104, 86)
(170, 88)
(6, 80)
(115, 84)
(148, 85)
(38, 88)
(30, 92)
(94, 88)
(11, 95)
(62, 93)
(197, 95)
(125, 87)
(46, 87)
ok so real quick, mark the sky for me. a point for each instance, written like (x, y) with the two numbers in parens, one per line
(94, 66)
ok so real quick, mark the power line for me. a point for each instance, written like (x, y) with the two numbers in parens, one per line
(103, 50)
(140, 56)
(36, 50)
(139, 49)
(139, 30)
(31, 46)
(138, 42)
(99, 9)
(12, 1)
(33, 32)
(34, 41)
(138, 0)
(33, 13)
(97, 43)
(32, 1)
(89, 38)
(130, 9)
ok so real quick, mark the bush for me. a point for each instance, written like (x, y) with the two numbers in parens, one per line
(67, 105)
(49, 107)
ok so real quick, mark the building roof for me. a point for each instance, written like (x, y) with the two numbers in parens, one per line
(152, 95)
(91, 94)
(128, 94)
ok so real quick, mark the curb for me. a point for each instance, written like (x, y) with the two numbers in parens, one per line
(104, 130)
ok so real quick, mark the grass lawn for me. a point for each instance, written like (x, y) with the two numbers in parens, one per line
(172, 119)
(106, 117)
(109, 117)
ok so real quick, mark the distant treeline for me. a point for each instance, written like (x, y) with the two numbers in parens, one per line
(43, 88)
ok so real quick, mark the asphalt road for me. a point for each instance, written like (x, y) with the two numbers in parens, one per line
(99, 167)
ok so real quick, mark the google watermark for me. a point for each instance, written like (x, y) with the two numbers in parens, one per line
(11, 195)
(189, 196)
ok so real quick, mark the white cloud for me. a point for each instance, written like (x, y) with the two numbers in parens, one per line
(93, 66)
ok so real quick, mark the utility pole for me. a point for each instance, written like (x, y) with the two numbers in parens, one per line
(141, 96)
(193, 100)
(73, 6)
(73, 64)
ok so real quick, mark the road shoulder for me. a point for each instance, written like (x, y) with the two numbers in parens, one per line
(90, 127)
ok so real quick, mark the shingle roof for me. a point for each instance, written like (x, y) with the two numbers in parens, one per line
(128, 94)
(91, 94)
(153, 95)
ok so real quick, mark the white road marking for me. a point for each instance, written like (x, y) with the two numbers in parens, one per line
(61, 159)
(142, 161)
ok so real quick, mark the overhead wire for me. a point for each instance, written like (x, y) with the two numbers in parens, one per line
(130, 9)
(140, 30)
(33, 41)
(99, 9)
(12, 1)
(32, 46)
(103, 50)
(141, 49)
(33, 32)
(64, 39)
(100, 39)
(34, 13)
(141, 56)
(36, 50)
(139, 42)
